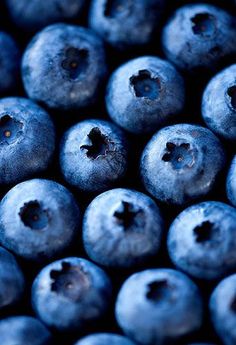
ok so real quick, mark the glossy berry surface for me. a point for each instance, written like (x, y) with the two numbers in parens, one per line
(63, 66)
(199, 235)
(145, 94)
(158, 305)
(219, 103)
(222, 309)
(38, 219)
(231, 182)
(128, 228)
(181, 163)
(27, 139)
(199, 35)
(24, 330)
(75, 286)
(93, 155)
(104, 339)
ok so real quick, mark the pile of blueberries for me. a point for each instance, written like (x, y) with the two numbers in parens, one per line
(117, 172)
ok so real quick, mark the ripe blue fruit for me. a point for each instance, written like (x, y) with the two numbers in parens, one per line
(219, 103)
(27, 139)
(104, 339)
(231, 182)
(181, 163)
(63, 67)
(144, 94)
(223, 310)
(38, 219)
(93, 155)
(156, 306)
(70, 294)
(202, 240)
(122, 228)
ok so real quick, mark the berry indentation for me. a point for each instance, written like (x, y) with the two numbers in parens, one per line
(158, 290)
(34, 216)
(69, 281)
(10, 129)
(179, 155)
(203, 24)
(126, 214)
(203, 232)
(99, 144)
(75, 62)
(232, 94)
(117, 8)
(145, 85)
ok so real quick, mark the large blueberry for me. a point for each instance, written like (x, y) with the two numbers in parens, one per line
(181, 163)
(33, 15)
(9, 63)
(104, 339)
(12, 281)
(63, 66)
(93, 155)
(70, 294)
(126, 23)
(38, 219)
(219, 103)
(202, 240)
(223, 310)
(199, 35)
(144, 94)
(231, 182)
(23, 330)
(27, 139)
(158, 306)
(122, 228)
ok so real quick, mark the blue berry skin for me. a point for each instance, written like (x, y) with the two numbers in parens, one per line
(199, 35)
(23, 330)
(63, 67)
(104, 339)
(127, 231)
(12, 280)
(70, 294)
(144, 94)
(231, 183)
(125, 24)
(10, 62)
(34, 15)
(158, 306)
(181, 163)
(93, 155)
(38, 219)
(27, 139)
(219, 104)
(223, 310)
(202, 240)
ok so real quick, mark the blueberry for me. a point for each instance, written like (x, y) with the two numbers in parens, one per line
(23, 330)
(27, 139)
(223, 310)
(9, 63)
(199, 35)
(104, 339)
(181, 163)
(38, 219)
(231, 182)
(33, 15)
(126, 23)
(70, 294)
(219, 103)
(202, 240)
(122, 228)
(63, 67)
(93, 155)
(144, 94)
(12, 281)
(158, 306)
